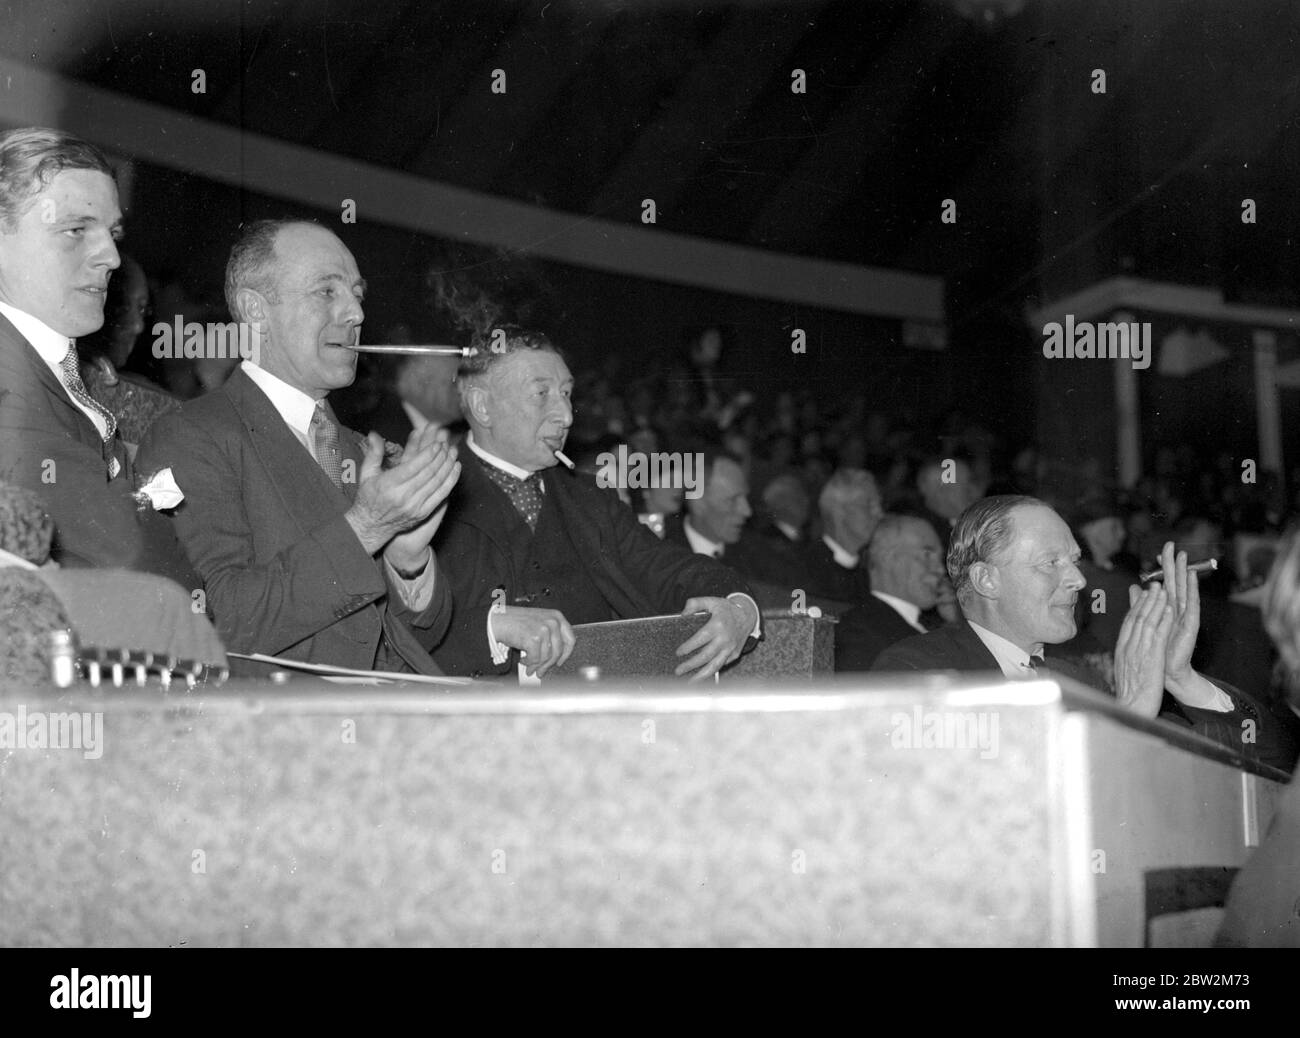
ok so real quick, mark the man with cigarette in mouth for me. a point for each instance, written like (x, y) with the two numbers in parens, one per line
(309, 547)
(531, 548)
(1015, 567)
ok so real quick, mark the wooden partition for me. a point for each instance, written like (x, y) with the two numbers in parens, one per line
(928, 812)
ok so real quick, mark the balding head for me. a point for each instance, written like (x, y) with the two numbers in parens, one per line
(905, 559)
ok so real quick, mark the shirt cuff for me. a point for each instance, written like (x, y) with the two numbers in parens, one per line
(416, 593)
(1202, 694)
(757, 632)
(500, 652)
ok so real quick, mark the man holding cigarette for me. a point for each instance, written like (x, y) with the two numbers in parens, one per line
(1015, 567)
(530, 548)
(309, 547)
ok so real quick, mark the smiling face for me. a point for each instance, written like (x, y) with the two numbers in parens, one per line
(312, 313)
(1030, 589)
(908, 563)
(521, 408)
(56, 261)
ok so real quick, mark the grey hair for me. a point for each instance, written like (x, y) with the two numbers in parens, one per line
(33, 156)
(982, 532)
(843, 487)
(252, 261)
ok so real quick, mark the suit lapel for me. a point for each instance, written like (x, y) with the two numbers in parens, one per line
(305, 490)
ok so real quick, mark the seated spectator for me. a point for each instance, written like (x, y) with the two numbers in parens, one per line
(133, 399)
(1100, 527)
(947, 487)
(1261, 908)
(905, 564)
(787, 506)
(832, 565)
(1014, 566)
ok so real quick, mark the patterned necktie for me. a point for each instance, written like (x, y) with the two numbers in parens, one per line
(524, 494)
(325, 442)
(72, 380)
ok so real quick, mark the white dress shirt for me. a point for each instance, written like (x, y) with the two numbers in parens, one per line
(297, 409)
(53, 347)
(700, 544)
(1012, 659)
(843, 556)
(909, 611)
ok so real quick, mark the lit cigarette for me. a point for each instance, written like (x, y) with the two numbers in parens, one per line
(561, 457)
(419, 351)
(1196, 567)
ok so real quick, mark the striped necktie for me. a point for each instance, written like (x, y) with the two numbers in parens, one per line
(70, 367)
(325, 444)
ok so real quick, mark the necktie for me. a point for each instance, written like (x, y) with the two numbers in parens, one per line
(72, 380)
(524, 494)
(325, 441)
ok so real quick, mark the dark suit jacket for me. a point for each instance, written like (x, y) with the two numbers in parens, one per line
(826, 578)
(865, 631)
(285, 574)
(49, 446)
(1261, 912)
(635, 572)
(957, 647)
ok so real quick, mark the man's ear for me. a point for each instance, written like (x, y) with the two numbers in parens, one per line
(985, 579)
(251, 307)
(476, 405)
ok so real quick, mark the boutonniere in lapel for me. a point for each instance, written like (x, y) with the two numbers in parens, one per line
(159, 492)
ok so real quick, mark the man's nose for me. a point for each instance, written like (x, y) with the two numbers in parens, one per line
(106, 254)
(353, 313)
(1074, 578)
(563, 412)
(745, 510)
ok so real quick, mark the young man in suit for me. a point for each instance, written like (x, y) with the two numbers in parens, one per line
(1015, 567)
(308, 547)
(905, 563)
(59, 224)
(530, 548)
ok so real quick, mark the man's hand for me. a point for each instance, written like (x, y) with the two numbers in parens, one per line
(720, 640)
(542, 635)
(409, 552)
(396, 500)
(1183, 591)
(1140, 651)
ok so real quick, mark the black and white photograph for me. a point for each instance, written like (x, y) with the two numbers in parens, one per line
(650, 474)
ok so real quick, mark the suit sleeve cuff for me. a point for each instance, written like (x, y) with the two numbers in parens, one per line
(1203, 694)
(740, 596)
(416, 593)
(500, 652)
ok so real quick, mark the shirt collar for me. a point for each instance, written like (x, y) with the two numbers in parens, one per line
(293, 405)
(700, 544)
(8, 558)
(845, 558)
(909, 611)
(1012, 659)
(495, 462)
(51, 345)
(789, 529)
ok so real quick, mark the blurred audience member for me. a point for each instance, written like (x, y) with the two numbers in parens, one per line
(1261, 908)
(905, 565)
(850, 510)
